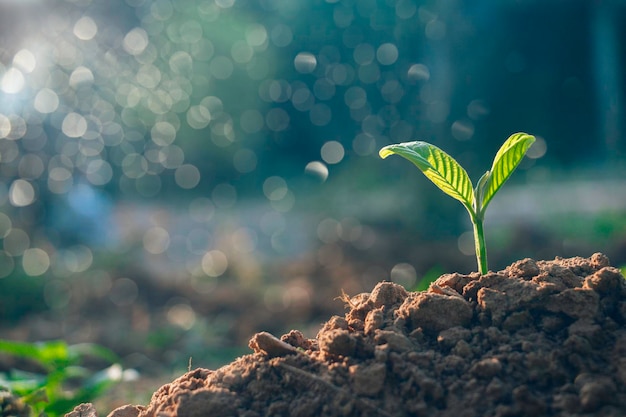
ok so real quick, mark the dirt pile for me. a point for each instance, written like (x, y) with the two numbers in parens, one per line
(545, 338)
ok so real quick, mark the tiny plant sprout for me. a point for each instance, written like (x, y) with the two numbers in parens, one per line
(452, 179)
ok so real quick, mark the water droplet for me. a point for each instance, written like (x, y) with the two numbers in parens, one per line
(21, 193)
(135, 41)
(279, 91)
(181, 63)
(418, 72)
(99, 172)
(305, 62)
(392, 91)
(181, 315)
(59, 179)
(387, 54)
(74, 125)
(5, 126)
(462, 129)
(538, 148)
(198, 117)
(148, 76)
(302, 99)
(256, 35)
(332, 152)
(134, 165)
(80, 76)
(324, 89)
(187, 176)
(478, 109)
(355, 97)
(404, 274)
(317, 169)
(163, 133)
(35, 262)
(85, 28)
(46, 101)
(214, 263)
(364, 144)
(275, 188)
(12, 81)
(25, 61)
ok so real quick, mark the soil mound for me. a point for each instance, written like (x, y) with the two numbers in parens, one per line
(540, 338)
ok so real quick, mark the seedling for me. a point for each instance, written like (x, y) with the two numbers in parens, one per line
(452, 179)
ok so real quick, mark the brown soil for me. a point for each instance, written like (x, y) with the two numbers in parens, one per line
(545, 338)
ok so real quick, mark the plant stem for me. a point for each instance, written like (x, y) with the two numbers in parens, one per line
(479, 244)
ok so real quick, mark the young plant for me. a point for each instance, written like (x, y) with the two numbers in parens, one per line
(452, 179)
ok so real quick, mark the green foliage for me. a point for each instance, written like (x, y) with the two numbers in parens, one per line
(429, 277)
(61, 381)
(446, 173)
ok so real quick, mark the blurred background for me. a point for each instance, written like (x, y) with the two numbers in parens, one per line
(178, 175)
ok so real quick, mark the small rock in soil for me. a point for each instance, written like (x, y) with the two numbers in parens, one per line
(270, 345)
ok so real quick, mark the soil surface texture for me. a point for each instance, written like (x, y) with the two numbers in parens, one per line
(540, 338)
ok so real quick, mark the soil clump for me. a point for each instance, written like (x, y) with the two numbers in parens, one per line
(539, 338)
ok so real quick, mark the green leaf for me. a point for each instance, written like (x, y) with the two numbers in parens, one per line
(49, 354)
(83, 350)
(90, 389)
(506, 160)
(438, 166)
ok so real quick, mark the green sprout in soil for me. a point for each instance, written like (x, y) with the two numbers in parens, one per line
(452, 179)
